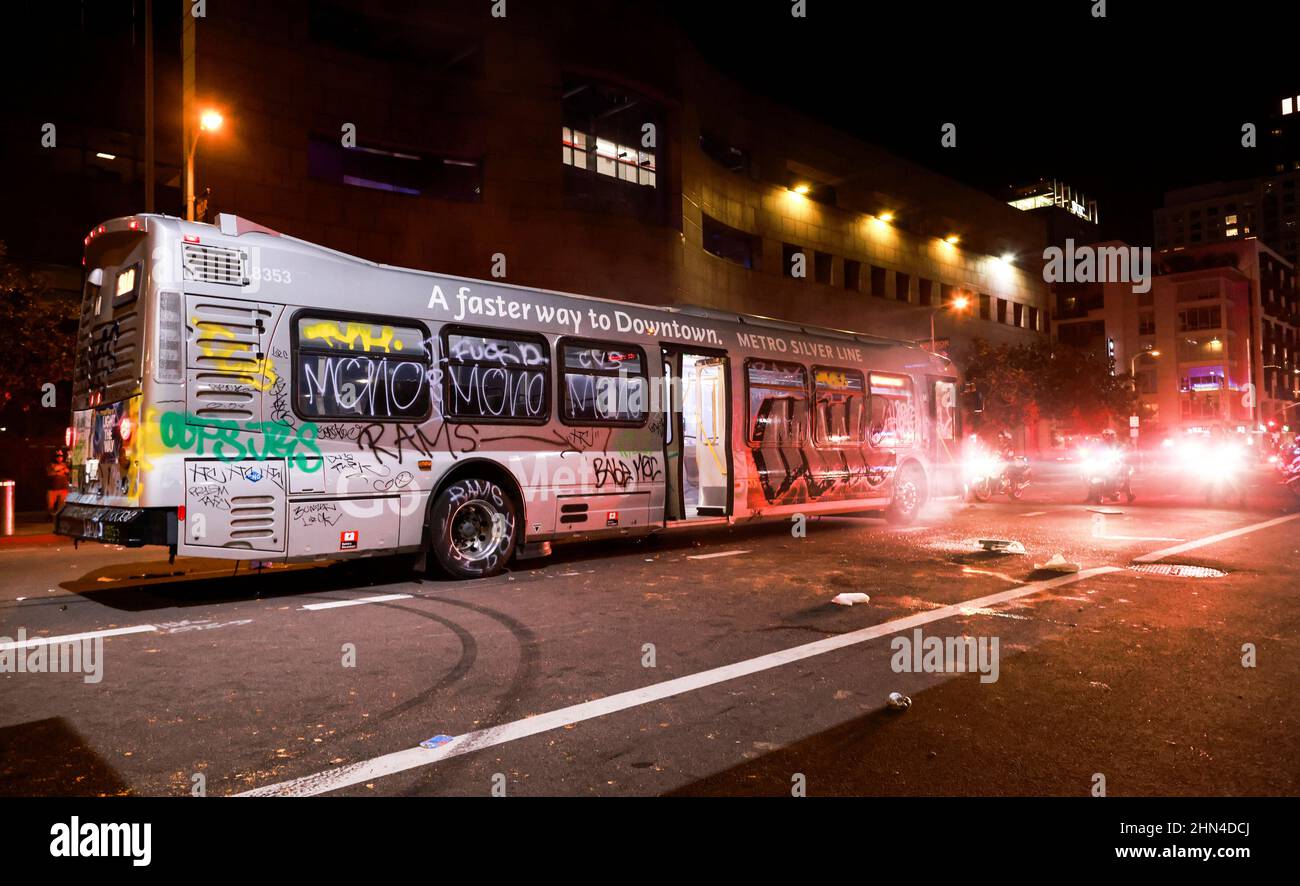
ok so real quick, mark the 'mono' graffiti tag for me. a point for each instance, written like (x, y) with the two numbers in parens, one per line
(220, 438)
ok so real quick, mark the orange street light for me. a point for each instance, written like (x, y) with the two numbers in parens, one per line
(210, 120)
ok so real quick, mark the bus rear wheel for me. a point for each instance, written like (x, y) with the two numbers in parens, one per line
(474, 528)
(909, 496)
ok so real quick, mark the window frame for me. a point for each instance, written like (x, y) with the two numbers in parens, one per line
(445, 361)
(295, 348)
(562, 383)
(866, 406)
(749, 418)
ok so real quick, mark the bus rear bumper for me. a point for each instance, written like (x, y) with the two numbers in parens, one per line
(132, 527)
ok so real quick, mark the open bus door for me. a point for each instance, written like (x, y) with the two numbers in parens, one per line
(697, 422)
(945, 436)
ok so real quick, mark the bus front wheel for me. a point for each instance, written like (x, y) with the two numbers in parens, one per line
(474, 528)
(909, 496)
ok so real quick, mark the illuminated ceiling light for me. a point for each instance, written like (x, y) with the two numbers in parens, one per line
(101, 155)
(211, 120)
(886, 217)
(951, 239)
(801, 187)
(1007, 258)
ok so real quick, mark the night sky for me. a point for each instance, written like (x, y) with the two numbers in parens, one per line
(1123, 108)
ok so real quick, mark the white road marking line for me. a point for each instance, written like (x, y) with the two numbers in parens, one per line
(1212, 539)
(1034, 514)
(382, 598)
(1138, 538)
(74, 638)
(718, 554)
(413, 758)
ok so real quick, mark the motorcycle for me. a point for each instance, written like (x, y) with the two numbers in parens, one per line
(1288, 467)
(1108, 475)
(988, 475)
(1221, 466)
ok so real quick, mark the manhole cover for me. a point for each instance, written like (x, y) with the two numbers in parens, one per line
(1179, 570)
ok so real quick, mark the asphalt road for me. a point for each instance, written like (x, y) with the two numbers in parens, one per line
(554, 678)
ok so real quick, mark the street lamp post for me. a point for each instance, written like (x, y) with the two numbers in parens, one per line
(957, 304)
(209, 121)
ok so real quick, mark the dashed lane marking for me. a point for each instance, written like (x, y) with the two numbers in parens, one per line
(74, 638)
(718, 554)
(335, 604)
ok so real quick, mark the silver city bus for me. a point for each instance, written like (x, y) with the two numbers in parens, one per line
(248, 395)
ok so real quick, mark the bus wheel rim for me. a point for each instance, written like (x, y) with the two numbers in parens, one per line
(474, 531)
(907, 496)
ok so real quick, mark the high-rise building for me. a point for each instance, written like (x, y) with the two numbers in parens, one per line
(1212, 343)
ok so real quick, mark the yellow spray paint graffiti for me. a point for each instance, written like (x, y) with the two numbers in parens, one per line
(353, 336)
(222, 350)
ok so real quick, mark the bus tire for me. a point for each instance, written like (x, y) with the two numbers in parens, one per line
(474, 528)
(909, 495)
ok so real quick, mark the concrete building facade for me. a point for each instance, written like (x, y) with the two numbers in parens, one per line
(584, 147)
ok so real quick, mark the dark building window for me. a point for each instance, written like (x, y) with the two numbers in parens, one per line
(822, 262)
(852, 275)
(1002, 310)
(986, 306)
(729, 243)
(1147, 323)
(924, 291)
(791, 256)
(726, 155)
(902, 284)
(877, 281)
(402, 172)
(1017, 314)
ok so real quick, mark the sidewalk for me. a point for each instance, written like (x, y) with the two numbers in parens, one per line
(31, 527)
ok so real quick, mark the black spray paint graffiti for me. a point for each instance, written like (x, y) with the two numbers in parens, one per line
(643, 469)
(212, 473)
(211, 496)
(317, 514)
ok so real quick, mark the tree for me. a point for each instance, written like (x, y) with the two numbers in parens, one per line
(37, 339)
(1020, 384)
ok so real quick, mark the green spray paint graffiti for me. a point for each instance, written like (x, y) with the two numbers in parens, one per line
(181, 430)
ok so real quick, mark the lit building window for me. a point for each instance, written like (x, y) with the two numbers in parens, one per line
(1229, 219)
(1287, 105)
(1230, 232)
(609, 158)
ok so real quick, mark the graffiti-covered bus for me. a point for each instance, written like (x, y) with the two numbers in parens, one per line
(243, 394)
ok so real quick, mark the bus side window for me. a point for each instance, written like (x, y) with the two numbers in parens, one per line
(496, 376)
(602, 384)
(778, 402)
(359, 367)
(893, 410)
(839, 400)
